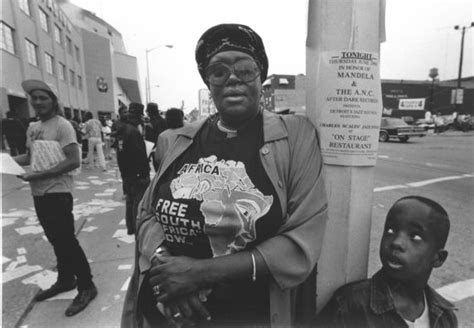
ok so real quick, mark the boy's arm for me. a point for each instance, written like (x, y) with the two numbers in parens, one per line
(71, 162)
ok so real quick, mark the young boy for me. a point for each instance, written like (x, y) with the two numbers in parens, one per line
(398, 295)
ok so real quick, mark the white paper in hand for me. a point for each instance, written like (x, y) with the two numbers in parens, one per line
(9, 166)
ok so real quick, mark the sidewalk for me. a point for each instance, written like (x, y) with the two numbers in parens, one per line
(100, 227)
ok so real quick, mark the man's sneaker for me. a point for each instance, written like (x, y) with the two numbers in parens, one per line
(80, 302)
(57, 288)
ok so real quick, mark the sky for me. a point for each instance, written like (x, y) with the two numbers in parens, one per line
(420, 35)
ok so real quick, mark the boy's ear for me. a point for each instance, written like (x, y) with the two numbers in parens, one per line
(440, 257)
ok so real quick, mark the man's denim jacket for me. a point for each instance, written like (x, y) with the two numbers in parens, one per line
(368, 303)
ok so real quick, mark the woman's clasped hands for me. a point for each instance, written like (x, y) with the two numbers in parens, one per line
(179, 289)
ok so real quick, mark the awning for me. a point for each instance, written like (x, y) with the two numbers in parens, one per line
(130, 88)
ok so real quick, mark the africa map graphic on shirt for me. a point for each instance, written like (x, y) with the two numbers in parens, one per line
(231, 205)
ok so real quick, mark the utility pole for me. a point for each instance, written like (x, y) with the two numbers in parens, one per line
(344, 102)
(433, 74)
(459, 92)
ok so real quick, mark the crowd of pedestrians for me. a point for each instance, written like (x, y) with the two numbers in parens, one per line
(51, 177)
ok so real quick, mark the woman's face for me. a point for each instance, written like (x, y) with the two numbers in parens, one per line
(235, 100)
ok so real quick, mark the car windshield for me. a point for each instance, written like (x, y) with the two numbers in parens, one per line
(393, 121)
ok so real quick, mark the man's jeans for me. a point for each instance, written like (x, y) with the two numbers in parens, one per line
(54, 212)
(134, 188)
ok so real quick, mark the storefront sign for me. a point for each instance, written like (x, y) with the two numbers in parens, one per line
(457, 96)
(351, 107)
(102, 85)
(411, 104)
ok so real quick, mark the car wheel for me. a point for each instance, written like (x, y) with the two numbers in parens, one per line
(383, 136)
(403, 139)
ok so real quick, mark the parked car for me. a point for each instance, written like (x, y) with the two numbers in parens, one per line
(396, 128)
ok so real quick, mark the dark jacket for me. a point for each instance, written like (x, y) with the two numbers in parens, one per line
(154, 128)
(131, 152)
(368, 303)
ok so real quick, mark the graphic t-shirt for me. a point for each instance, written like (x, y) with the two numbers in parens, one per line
(216, 199)
(93, 128)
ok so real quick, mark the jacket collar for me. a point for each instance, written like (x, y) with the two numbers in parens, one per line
(381, 300)
(273, 128)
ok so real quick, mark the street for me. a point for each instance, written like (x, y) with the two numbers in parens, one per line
(440, 167)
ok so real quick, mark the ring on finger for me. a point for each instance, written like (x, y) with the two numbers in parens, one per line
(177, 315)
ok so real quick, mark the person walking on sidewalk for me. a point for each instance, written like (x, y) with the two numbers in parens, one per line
(51, 189)
(15, 133)
(93, 133)
(133, 163)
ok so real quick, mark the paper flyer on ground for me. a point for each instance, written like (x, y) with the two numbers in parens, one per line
(10, 166)
(351, 107)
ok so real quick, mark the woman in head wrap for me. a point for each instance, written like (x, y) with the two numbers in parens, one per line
(234, 218)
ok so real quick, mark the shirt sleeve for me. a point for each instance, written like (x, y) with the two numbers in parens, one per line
(292, 254)
(66, 134)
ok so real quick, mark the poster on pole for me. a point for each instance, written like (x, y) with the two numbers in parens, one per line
(350, 102)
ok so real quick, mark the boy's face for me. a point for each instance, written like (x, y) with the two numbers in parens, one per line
(408, 249)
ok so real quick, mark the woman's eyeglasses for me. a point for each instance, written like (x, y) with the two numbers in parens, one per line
(246, 70)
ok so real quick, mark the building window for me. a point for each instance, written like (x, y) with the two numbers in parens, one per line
(57, 34)
(73, 77)
(31, 53)
(79, 82)
(44, 20)
(78, 53)
(25, 6)
(62, 71)
(49, 63)
(69, 45)
(6, 41)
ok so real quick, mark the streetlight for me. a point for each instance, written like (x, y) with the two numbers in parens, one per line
(433, 74)
(458, 87)
(147, 82)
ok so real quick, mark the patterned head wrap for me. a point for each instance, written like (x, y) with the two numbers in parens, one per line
(228, 37)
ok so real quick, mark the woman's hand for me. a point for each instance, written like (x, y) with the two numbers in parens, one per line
(177, 276)
(185, 311)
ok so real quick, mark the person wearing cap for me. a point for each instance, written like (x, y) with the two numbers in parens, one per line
(133, 162)
(231, 227)
(51, 189)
